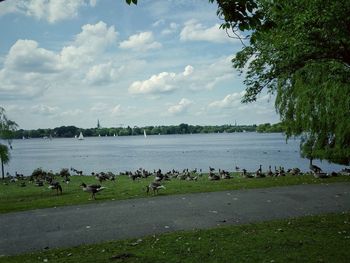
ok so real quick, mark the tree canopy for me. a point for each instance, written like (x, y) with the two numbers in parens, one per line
(7, 127)
(298, 50)
(6, 132)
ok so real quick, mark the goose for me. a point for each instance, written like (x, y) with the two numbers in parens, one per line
(270, 173)
(224, 174)
(314, 168)
(295, 171)
(57, 186)
(155, 186)
(93, 189)
(213, 177)
(281, 171)
(258, 173)
(246, 174)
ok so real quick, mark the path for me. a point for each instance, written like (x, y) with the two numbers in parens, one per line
(82, 224)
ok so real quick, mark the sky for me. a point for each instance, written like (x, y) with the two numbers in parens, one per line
(162, 62)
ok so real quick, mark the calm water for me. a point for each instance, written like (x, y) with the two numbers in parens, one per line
(116, 154)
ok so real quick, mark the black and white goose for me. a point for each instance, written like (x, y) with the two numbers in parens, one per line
(56, 186)
(93, 189)
(154, 186)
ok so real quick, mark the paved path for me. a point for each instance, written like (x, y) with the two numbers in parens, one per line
(74, 225)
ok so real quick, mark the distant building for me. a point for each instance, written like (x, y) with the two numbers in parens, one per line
(98, 124)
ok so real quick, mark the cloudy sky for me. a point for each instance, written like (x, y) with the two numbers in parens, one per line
(161, 62)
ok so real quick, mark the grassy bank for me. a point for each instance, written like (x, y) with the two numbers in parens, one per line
(324, 238)
(13, 197)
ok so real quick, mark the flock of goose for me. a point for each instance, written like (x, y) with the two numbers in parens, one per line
(50, 178)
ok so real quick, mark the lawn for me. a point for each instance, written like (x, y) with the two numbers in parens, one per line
(322, 238)
(13, 197)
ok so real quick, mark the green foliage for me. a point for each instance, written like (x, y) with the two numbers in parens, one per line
(38, 173)
(4, 154)
(131, 1)
(300, 50)
(4, 158)
(238, 14)
(7, 127)
(267, 127)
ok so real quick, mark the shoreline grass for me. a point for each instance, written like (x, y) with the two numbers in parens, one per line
(14, 198)
(321, 238)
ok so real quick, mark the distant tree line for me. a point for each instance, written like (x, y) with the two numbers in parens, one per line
(267, 127)
(72, 131)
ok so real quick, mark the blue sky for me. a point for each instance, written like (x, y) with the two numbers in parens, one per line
(161, 62)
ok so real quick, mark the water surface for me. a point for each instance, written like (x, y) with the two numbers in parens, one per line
(117, 154)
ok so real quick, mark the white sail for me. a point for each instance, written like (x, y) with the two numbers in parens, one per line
(144, 133)
(81, 137)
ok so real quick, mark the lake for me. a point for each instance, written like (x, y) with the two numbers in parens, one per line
(118, 154)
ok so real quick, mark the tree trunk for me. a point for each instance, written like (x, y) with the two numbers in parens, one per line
(2, 170)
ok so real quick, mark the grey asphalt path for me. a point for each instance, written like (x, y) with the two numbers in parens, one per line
(85, 224)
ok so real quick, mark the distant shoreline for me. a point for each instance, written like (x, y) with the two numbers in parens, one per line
(73, 131)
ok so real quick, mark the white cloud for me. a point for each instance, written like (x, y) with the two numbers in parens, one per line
(93, 3)
(40, 68)
(210, 76)
(231, 100)
(161, 83)
(117, 110)
(29, 85)
(188, 70)
(72, 113)
(44, 110)
(88, 44)
(101, 73)
(49, 10)
(26, 56)
(173, 27)
(195, 31)
(141, 42)
(231, 105)
(107, 109)
(180, 107)
(99, 107)
(158, 23)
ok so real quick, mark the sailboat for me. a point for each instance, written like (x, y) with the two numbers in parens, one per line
(144, 133)
(81, 137)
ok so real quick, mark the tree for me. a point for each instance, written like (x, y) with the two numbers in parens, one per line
(4, 158)
(6, 130)
(300, 51)
(7, 127)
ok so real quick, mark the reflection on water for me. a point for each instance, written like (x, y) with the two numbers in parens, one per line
(116, 154)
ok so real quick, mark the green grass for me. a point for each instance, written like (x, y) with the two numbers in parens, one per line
(16, 198)
(323, 238)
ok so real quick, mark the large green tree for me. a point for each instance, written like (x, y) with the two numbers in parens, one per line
(6, 133)
(298, 50)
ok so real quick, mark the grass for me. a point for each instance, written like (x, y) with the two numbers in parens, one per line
(323, 238)
(15, 198)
